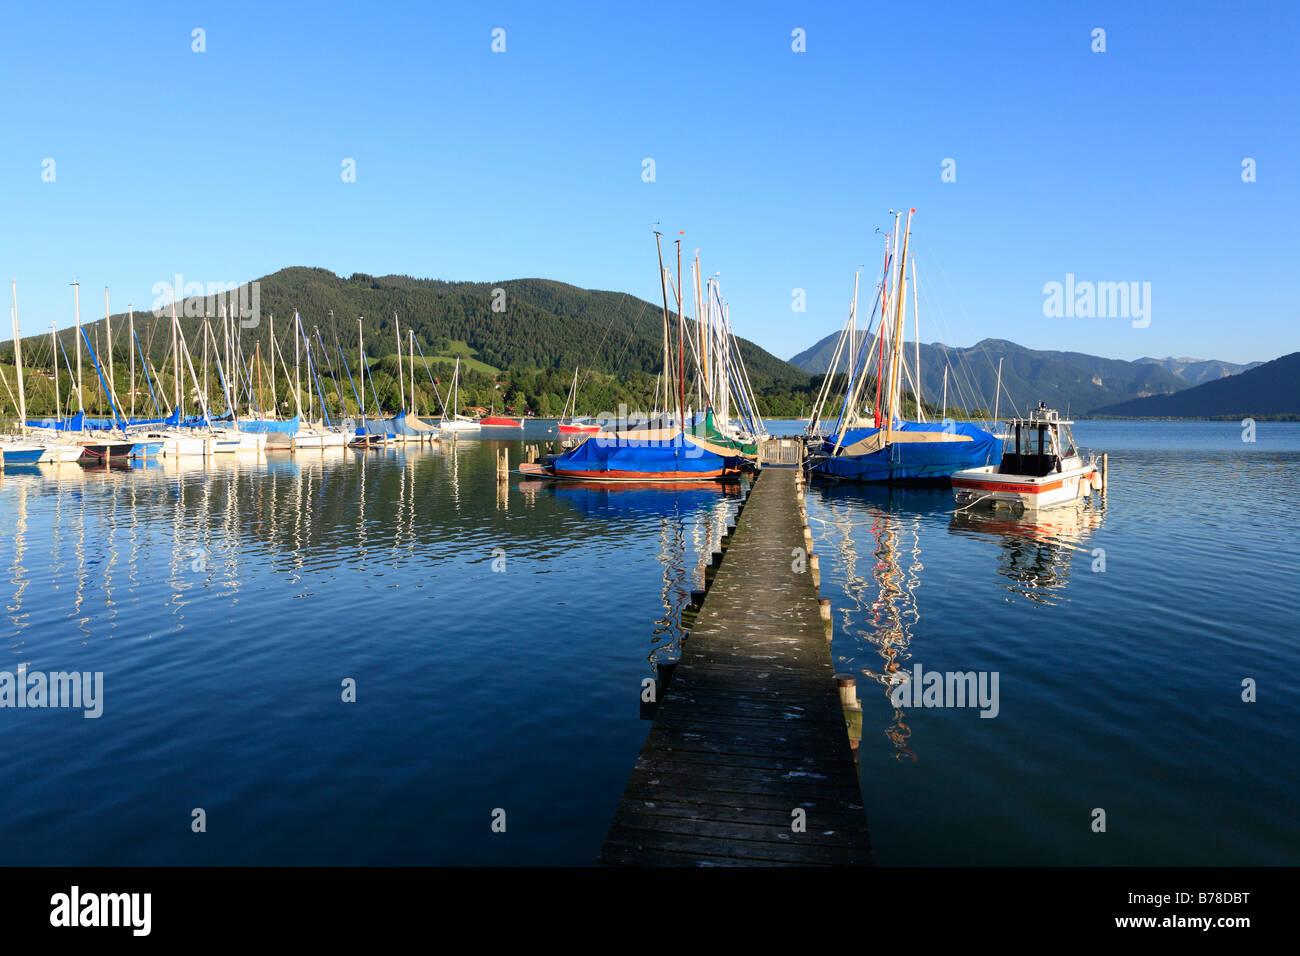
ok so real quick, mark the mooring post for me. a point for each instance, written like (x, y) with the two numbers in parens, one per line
(1105, 470)
(815, 568)
(852, 709)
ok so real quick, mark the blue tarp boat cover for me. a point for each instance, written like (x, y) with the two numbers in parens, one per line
(925, 461)
(628, 456)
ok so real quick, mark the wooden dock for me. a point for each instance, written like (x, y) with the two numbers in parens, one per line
(751, 729)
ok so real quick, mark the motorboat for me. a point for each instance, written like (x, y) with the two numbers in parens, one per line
(1041, 467)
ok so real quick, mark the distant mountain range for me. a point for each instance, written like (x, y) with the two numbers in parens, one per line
(1072, 382)
(1200, 371)
(1267, 390)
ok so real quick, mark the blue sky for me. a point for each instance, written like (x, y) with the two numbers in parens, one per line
(1122, 166)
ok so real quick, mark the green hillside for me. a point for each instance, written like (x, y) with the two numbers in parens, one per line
(519, 358)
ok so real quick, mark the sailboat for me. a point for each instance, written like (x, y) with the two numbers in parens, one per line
(17, 450)
(406, 426)
(570, 424)
(60, 432)
(310, 434)
(891, 449)
(452, 421)
(665, 451)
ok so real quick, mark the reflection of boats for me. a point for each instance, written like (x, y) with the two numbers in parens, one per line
(1041, 467)
(1036, 547)
(886, 600)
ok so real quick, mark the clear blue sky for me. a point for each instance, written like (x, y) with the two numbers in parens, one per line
(1115, 166)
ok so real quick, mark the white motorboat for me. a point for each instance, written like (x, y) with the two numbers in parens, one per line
(1041, 467)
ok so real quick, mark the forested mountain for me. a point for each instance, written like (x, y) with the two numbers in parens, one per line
(1270, 390)
(520, 354)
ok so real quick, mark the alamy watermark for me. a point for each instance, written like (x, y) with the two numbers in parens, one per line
(198, 300)
(948, 689)
(36, 689)
(1098, 300)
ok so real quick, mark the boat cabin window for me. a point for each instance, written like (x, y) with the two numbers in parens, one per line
(1029, 450)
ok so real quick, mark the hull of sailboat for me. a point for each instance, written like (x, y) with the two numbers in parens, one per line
(22, 454)
(931, 461)
(578, 428)
(496, 421)
(236, 440)
(322, 439)
(184, 446)
(93, 452)
(55, 452)
(454, 426)
(147, 449)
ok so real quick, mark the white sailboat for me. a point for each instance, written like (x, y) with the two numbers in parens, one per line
(16, 449)
(452, 421)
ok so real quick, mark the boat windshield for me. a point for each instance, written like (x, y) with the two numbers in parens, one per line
(1066, 437)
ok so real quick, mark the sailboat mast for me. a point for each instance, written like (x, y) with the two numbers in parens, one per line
(108, 335)
(410, 334)
(275, 405)
(18, 363)
(663, 286)
(130, 310)
(81, 403)
(997, 394)
(681, 345)
(54, 352)
(297, 380)
(401, 385)
(916, 320)
(702, 386)
(898, 328)
(176, 360)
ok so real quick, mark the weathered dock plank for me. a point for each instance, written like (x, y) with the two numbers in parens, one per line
(751, 728)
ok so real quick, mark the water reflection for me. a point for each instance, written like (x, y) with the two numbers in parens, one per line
(881, 612)
(690, 519)
(1035, 550)
(877, 538)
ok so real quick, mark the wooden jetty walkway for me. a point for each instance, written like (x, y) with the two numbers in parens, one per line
(751, 728)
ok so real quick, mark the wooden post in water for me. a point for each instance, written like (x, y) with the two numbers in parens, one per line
(852, 709)
(1105, 470)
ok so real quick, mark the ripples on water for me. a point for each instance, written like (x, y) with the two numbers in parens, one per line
(1119, 689)
(498, 640)
(225, 604)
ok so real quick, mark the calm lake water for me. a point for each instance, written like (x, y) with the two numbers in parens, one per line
(498, 641)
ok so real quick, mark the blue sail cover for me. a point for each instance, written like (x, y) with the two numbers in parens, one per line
(913, 462)
(77, 423)
(260, 426)
(621, 456)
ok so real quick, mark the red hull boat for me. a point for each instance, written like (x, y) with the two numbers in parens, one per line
(495, 421)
